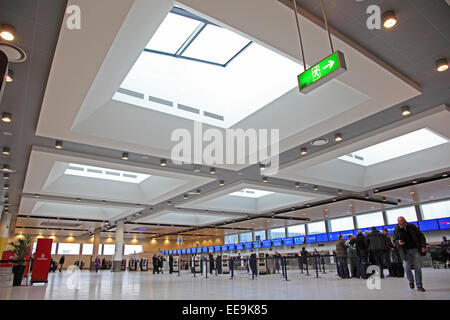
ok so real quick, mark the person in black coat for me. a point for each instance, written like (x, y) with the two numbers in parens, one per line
(170, 264)
(361, 254)
(155, 264)
(387, 252)
(211, 262)
(412, 245)
(160, 263)
(61, 263)
(376, 244)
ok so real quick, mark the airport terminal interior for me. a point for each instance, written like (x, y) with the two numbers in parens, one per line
(225, 150)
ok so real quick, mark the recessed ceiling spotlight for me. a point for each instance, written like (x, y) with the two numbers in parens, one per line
(444, 175)
(78, 200)
(414, 181)
(308, 205)
(6, 168)
(6, 151)
(6, 176)
(376, 190)
(303, 151)
(163, 162)
(316, 188)
(221, 183)
(297, 185)
(6, 187)
(384, 199)
(212, 171)
(334, 199)
(6, 117)
(338, 137)
(319, 142)
(7, 32)
(431, 197)
(36, 195)
(58, 144)
(262, 166)
(412, 192)
(198, 191)
(10, 76)
(399, 200)
(442, 65)
(406, 111)
(124, 155)
(264, 179)
(367, 196)
(339, 192)
(185, 197)
(6, 196)
(389, 19)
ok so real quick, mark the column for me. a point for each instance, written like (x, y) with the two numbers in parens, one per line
(4, 231)
(117, 260)
(96, 245)
(418, 212)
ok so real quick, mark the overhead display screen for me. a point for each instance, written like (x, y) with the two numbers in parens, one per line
(211, 248)
(183, 251)
(256, 244)
(178, 251)
(428, 225)
(299, 240)
(346, 233)
(444, 223)
(217, 248)
(231, 246)
(240, 246)
(199, 250)
(322, 237)
(334, 236)
(390, 228)
(266, 244)
(248, 245)
(289, 241)
(224, 247)
(188, 250)
(363, 230)
(170, 251)
(311, 239)
(277, 242)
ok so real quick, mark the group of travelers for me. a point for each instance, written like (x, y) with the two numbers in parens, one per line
(157, 262)
(377, 248)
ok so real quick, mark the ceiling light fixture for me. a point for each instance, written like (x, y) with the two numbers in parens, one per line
(384, 199)
(212, 171)
(297, 185)
(198, 191)
(441, 65)
(262, 166)
(389, 19)
(185, 197)
(36, 195)
(7, 32)
(124, 155)
(6, 117)
(6, 176)
(222, 183)
(6, 187)
(406, 111)
(303, 151)
(264, 179)
(10, 76)
(319, 142)
(414, 181)
(316, 188)
(444, 175)
(169, 203)
(6, 168)
(58, 144)
(339, 192)
(6, 151)
(338, 137)
(163, 162)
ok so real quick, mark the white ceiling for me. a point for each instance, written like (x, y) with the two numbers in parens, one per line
(180, 217)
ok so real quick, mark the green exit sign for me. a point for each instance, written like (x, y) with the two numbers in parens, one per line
(322, 72)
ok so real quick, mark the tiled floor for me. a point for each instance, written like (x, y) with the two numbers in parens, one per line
(106, 285)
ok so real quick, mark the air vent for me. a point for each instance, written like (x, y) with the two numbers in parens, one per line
(212, 115)
(75, 168)
(161, 101)
(188, 109)
(130, 176)
(111, 173)
(60, 224)
(94, 171)
(131, 93)
(359, 157)
(319, 142)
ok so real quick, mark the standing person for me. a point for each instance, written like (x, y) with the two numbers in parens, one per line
(361, 254)
(341, 255)
(277, 261)
(351, 253)
(160, 263)
(211, 262)
(97, 263)
(304, 256)
(412, 245)
(155, 264)
(171, 264)
(61, 263)
(387, 252)
(376, 246)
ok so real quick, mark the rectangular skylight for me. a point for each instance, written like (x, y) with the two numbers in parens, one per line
(103, 173)
(251, 193)
(406, 144)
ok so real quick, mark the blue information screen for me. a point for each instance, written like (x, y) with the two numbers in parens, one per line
(224, 247)
(165, 252)
(444, 223)
(346, 233)
(334, 236)
(277, 242)
(248, 245)
(199, 250)
(299, 240)
(231, 246)
(183, 251)
(311, 239)
(217, 248)
(188, 250)
(240, 246)
(289, 241)
(211, 248)
(390, 228)
(205, 249)
(256, 244)
(363, 230)
(428, 225)
(322, 237)
(267, 244)
(170, 251)
(178, 251)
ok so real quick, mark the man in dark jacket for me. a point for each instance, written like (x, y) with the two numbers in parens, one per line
(388, 247)
(341, 255)
(376, 244)
(361, 254)
(412, 245)
(61, 263)
(170, 264)
(155, 264)
(211, 262)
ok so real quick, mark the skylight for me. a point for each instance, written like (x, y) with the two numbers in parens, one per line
(251, 193)
(412, 142)
(196, 70)
(103, 173)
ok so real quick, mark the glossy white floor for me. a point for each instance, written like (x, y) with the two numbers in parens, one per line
(106, 285)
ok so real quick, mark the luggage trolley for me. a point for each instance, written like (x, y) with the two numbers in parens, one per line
(123, 265)
(197, 267)
(144, 264)
(225, 264)
(262, 263)
(175, 264)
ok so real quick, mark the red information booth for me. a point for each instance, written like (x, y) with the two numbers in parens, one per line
(41, 261)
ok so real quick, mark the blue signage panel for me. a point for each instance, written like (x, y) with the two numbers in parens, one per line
(240, 246)
(170, 251)
(311, 239)
(224, 247)
(178, 251)
(217, 248)
(266, 244)
(444, 223)
(299, 240)
(183, 251)
(277, 242)
(256, 244)
(322, 237)
(188, 250)
(334, 236)
(231, 246)
(248, 245)
(211, 248)
(289, 241)
(363, 230)
(428, 225)
(346, 233)
(390, 228)
(205, 249)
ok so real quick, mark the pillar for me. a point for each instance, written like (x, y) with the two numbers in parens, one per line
(117, 260)
(4, 231)
(96, 244)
